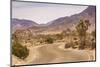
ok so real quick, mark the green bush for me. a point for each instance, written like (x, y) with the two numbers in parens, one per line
(20, 51)
(49, 40)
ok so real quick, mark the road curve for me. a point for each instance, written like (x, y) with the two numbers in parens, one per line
(53, 54)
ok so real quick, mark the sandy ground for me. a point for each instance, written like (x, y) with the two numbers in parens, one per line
(54, 53)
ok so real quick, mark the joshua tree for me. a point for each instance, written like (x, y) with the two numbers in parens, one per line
(81, 28)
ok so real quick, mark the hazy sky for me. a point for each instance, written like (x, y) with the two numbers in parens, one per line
(42, 12)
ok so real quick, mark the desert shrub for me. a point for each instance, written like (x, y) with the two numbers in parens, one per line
(59, 36)
(67, 45)
(93, 33)
(93, 45)
(74, 45)
(49, 40)
(93, 40)
(74, 38)
(90, 44)
(87, 44)
(20, 51)
(81, 47)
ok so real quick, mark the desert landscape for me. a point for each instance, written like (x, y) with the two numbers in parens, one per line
(65, 39)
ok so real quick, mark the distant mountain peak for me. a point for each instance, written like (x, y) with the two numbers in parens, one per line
(22, 23)
(91, 10)
(61, 23)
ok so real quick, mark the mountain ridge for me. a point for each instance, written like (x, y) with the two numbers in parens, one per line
(61, 23)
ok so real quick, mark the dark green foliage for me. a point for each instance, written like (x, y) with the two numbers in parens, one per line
(49, 40)
(20, 51)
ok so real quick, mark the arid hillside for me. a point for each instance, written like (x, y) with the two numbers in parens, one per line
(66, 39)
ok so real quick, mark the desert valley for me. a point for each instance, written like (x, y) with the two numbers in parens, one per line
(65, 39)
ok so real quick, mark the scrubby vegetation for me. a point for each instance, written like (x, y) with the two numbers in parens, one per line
(67, 45)
(93, 39)
(81, 39)
(82, 28)
(20, 51)
(78, 38)
(49, 40)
